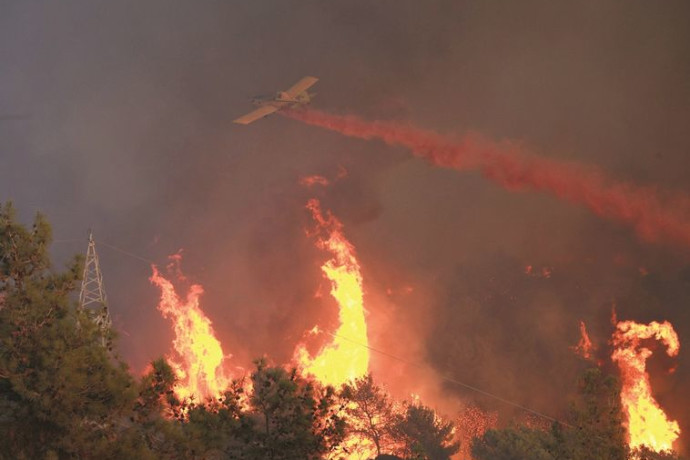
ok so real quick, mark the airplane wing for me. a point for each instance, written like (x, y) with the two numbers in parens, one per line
(256, 114)
(301, 86)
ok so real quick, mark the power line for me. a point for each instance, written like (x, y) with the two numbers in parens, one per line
(444, 377)
(127, 253)
(109, 246)
(452, 380)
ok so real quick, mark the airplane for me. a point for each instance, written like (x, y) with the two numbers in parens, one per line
(296, 95)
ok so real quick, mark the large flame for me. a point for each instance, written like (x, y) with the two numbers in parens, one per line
(346, 357)
(198, 357)
(647, 424)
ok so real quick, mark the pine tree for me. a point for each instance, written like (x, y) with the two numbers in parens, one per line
(292, 419)
(369, 413)
(61, 394)
(425, 435)
(593, 429)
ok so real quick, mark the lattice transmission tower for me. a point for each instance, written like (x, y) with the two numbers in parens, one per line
(92, 296)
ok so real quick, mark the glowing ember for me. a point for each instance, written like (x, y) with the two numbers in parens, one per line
(309, 181)
(198, 357)
(544, 272)
(647, 423)
(584, 347)
(346, 356)
(472, 423)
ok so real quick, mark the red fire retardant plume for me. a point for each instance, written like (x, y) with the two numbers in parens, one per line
(654, 215)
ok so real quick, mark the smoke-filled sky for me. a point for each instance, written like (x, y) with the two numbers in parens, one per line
(130, 133)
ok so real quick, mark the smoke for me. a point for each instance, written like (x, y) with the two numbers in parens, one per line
(131, 135)
(654, 216)
(542, 312)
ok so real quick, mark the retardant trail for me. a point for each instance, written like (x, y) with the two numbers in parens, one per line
(655, 216)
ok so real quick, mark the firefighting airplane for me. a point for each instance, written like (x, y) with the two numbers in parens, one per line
(296, 95)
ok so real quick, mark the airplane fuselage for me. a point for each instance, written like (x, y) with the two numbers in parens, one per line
(283, 99)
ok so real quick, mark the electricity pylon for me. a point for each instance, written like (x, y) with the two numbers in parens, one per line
(92, 297)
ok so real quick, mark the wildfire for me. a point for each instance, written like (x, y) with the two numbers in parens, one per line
(647, 424)
(346, 356)
(198, 357)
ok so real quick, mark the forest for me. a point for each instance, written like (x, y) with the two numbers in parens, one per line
(66, 394)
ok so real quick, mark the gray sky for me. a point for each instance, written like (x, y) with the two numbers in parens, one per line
(130, 133)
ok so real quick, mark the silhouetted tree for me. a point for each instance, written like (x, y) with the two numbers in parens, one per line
(424, 435)
(645, 453)
(595, 421)
(512, 444)
(158, 414)
(593, 429)
(369, 412)
(290, 419)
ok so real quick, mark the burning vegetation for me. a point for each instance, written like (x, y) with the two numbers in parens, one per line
(325, 406)
(346, 356)
(646, 422)
(59, 384)
(198, 359)
(423, 272)
(325, 403)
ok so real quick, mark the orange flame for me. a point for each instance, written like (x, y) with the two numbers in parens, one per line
(198, 358)
(346, 357)
(584, 347)
(647, 423)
